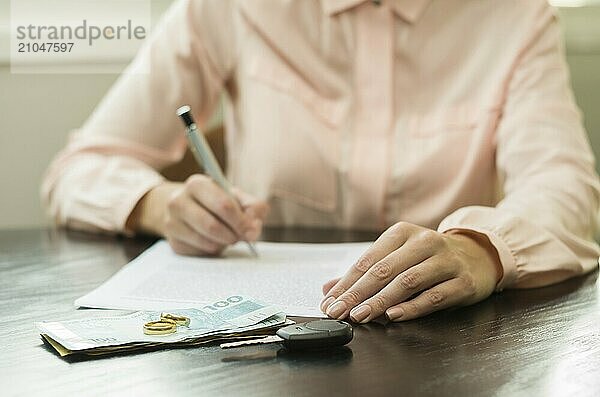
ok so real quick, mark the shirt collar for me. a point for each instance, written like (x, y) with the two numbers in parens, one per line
(410, 10)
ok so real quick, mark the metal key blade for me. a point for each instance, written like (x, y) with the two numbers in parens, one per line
(250, 342)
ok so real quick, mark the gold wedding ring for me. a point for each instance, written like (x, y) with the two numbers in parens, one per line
(166, 325)
(161, 327)
(179, 320)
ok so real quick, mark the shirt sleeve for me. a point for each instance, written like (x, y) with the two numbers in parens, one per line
(110, 163)
(544, 227)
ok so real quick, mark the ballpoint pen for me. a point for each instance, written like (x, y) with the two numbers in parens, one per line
(205, 157)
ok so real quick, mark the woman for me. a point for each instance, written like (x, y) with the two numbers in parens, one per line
(451, 121)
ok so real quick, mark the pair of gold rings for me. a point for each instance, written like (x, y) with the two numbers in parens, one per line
(166, 325)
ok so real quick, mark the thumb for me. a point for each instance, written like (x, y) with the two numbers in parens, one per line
(251, 205)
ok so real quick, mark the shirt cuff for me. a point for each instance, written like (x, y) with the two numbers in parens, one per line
(123, 212)
(98, 193)
(478, 219)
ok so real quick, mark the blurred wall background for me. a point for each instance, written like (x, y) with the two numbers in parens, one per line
(38, 111)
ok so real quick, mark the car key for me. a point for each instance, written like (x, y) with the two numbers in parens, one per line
(311, 335)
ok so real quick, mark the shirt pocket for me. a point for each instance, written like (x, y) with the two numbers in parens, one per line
(447, 161)
(434, 124)
(282, 77)
(302, 126)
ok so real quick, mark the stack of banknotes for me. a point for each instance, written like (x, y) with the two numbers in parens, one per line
(236, 317)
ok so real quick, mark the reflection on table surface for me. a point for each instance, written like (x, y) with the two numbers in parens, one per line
(542, 341)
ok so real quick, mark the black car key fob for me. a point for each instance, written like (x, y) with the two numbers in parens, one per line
(316, 334)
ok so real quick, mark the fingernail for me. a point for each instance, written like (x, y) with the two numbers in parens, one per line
(337, 309)
(394, 314)
(325, 304)
(360, 314)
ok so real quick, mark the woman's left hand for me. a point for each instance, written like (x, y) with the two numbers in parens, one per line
(411, 271)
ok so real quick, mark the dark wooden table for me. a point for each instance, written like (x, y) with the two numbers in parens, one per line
(540, 342)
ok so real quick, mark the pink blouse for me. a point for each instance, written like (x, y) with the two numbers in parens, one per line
(345, 113)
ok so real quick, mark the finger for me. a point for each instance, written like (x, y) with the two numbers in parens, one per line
(442, 296)
(205, 223)
(413, 280)
(182, 248)
(223, 206)
(252, 206)
(378, 276)
(329, 284)
(255, 230)
(389, 241)
(258, 210)
(182, 232)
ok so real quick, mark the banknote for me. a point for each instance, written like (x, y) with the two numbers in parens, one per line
(265, 327)
(232, 313)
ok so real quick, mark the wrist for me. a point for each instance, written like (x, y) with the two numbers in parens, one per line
(485, 248)
(150, 213)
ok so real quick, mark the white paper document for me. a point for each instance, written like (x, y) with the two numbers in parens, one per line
(288, 275)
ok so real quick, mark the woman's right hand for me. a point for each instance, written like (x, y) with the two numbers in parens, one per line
(198, 217)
